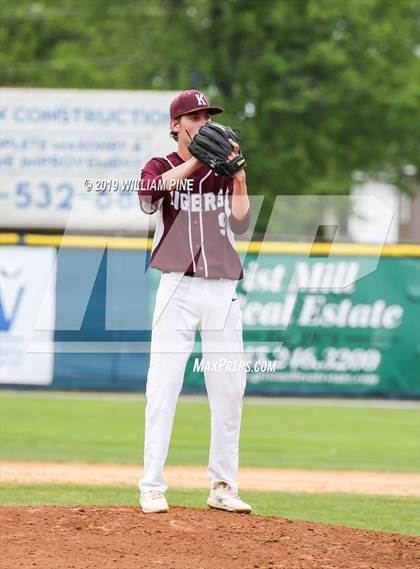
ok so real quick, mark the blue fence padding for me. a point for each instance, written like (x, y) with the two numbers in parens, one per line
(101, 296)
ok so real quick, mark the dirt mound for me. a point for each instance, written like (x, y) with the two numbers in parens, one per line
(56, 537)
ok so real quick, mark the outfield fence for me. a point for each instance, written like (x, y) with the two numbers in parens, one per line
(319, 319)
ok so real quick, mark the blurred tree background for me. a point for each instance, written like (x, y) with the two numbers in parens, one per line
(319, 89)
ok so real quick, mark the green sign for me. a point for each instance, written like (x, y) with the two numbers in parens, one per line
(347, 324)
(325, 325)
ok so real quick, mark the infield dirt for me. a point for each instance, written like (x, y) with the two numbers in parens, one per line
(56, 537)
(269, 479)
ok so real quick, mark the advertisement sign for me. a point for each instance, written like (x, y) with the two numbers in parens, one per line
(71, 159)
(307, 330)
(324, 336)
(25, 273)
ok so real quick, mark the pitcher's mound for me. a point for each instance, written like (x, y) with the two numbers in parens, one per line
(64, 537)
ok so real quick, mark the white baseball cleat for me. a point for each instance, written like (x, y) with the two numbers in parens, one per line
(153, 502)
(223, 497)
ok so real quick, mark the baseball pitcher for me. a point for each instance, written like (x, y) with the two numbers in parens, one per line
(199, 195)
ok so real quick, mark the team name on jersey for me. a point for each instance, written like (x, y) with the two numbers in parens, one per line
(198, 202)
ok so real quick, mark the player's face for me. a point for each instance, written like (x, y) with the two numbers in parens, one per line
(187, 126)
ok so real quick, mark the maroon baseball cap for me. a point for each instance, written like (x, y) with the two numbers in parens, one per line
(190, 102)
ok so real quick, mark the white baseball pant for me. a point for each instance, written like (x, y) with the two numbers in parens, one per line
(184, 304)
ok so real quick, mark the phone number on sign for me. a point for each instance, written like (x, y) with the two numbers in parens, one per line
(333, 359)
(59, 196)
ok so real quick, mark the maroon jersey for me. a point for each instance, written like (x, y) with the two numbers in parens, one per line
(195, 226)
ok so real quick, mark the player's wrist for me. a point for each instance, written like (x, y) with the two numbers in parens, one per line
(240, 178)
(194, 163)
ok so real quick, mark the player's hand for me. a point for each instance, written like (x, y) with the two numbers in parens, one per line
(240, 175)
(235, 150)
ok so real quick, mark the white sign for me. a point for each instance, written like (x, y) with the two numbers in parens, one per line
(25, 274)
(70, 159)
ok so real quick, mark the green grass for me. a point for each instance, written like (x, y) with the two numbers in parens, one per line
(283, 436)
(382, 513)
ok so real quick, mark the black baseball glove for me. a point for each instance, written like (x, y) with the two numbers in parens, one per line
(212, 147)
